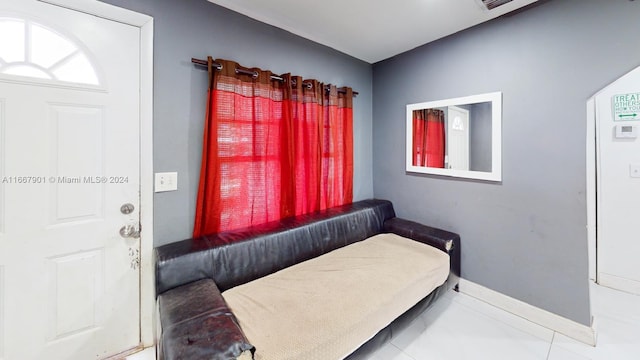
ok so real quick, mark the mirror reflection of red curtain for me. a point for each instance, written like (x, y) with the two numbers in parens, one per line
(271, 150)
(428, 138)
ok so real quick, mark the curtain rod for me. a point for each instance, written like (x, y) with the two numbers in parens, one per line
(247, 72)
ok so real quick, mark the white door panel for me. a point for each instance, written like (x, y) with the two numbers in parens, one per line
(69, 283)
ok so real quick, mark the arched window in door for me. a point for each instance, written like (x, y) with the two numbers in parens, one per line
(32, 50)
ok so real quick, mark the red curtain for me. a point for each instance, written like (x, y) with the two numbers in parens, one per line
(271, 150)
(428, 138)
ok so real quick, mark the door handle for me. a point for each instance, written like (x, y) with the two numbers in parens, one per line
(130, 231)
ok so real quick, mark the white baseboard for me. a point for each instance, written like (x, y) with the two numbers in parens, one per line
(570, 328)
(619, 283)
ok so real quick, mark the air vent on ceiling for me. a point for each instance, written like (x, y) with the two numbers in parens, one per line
(492, 4)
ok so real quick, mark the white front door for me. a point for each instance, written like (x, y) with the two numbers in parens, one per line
(458, 138)
(69, 159)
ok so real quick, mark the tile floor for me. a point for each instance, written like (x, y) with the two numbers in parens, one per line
(459, 327)
(146, 354)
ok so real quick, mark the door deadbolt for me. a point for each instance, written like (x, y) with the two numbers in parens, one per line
(127, 208)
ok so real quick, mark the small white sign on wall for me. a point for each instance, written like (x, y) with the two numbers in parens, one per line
(626, 106)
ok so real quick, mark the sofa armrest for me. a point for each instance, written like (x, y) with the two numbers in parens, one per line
(197, 324)
(441, 239)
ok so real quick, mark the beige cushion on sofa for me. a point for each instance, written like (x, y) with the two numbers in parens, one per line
(326, 307)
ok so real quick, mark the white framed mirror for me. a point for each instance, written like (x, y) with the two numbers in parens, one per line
(458, 137)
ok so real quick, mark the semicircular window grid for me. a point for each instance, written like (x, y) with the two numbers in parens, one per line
(32, 50)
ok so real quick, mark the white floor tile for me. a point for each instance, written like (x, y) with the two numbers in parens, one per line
(603, 351)
(559, 353)
(616, 340)
(419, 325)
(390, 352)
(615, 304)
(617, 325)
(459, 327)
(146, 354)
(510, 319)
(457, 332)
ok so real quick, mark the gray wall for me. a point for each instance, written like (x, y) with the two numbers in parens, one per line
(480, 137)
(197, 28)
(526, 236)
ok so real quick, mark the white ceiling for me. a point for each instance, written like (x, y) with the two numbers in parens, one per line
(370, 30)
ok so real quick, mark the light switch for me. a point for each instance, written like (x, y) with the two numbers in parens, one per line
(166, 181)
(634, 170)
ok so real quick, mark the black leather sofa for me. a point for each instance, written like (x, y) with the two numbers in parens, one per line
(191, 274)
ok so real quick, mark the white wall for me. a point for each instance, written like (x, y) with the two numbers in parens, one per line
(618, 193)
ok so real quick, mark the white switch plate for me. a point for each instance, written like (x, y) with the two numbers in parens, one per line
(634, 170)
(166, 181)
